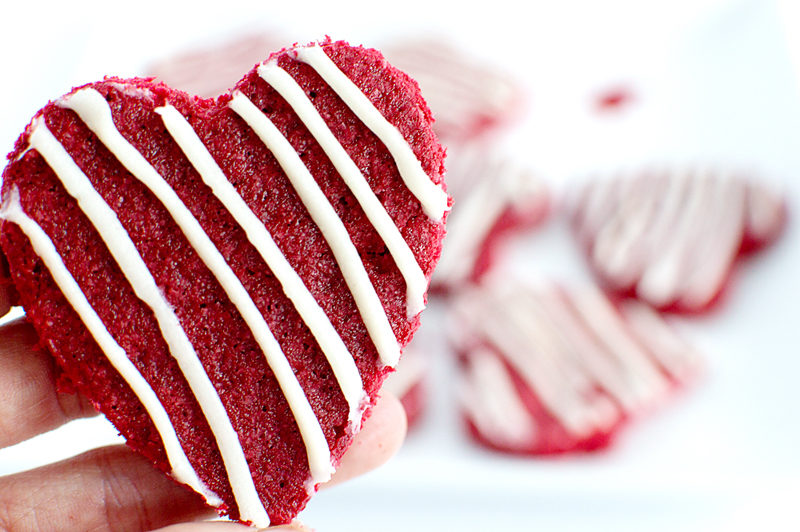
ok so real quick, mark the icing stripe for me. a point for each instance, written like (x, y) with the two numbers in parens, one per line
(288, 88)
(669, 237)
(592, 409)
(468, 226)
(764, 210)
(43, 246)
(340, 359)
(144, 285)
(722, 231)
(616, 242)
(562, 392)
(614, 377)
(485, 186)
(488, 396)
(601, 318)
(431, 196)
(662, 278)
(678, 358)
(447, 78)
(93, 109)
(332, 228)
(587, 363)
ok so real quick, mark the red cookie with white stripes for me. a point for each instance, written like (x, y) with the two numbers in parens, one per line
(464, 109)
(497, 198)
(547, 370)
(210, 70)
(671, 238)
(230, 281)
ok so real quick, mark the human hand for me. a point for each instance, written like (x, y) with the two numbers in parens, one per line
(112, 488)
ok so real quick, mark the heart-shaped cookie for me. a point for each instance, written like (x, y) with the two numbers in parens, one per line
(464, 109)
(547, 368)
(498, 198)
(671, 238)
(230, 281)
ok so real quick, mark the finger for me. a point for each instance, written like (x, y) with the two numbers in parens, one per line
(218, 526)
(7, 292)
(379, 439)
(30, 403)
(110, 488)
(113, 488)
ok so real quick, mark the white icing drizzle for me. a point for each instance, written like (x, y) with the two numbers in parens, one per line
(433, 199)
(667, 217)
(562, 392)
(487, 395)
(126, 255)
(721, 232)
(672, 237)
(604, 321)
(616, 378)
(662, 278)
(678, 358)
(96, 114)
(447, 77)
(764, 212)
(578, 355)
(484, 187)
(600, 199)
(618, 243)
(290, 90)
(340, 359)
(332, 228)
(11, 210)
(582, 411)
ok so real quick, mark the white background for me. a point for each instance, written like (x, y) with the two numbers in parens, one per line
(713, 83)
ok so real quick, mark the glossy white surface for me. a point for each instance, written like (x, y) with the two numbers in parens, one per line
(712, 82)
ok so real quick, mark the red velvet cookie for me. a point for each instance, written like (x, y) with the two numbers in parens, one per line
(469, 97)
(671, 238)
(230, 281)
(545, 369)
(210, 70)
(497, 198)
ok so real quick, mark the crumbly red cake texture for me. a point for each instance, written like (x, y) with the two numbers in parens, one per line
(225, 345)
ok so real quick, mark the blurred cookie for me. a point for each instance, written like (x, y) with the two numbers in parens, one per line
(546, 369)
(671, 238)
(496, 198)
(468, 96)
(211, 69)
